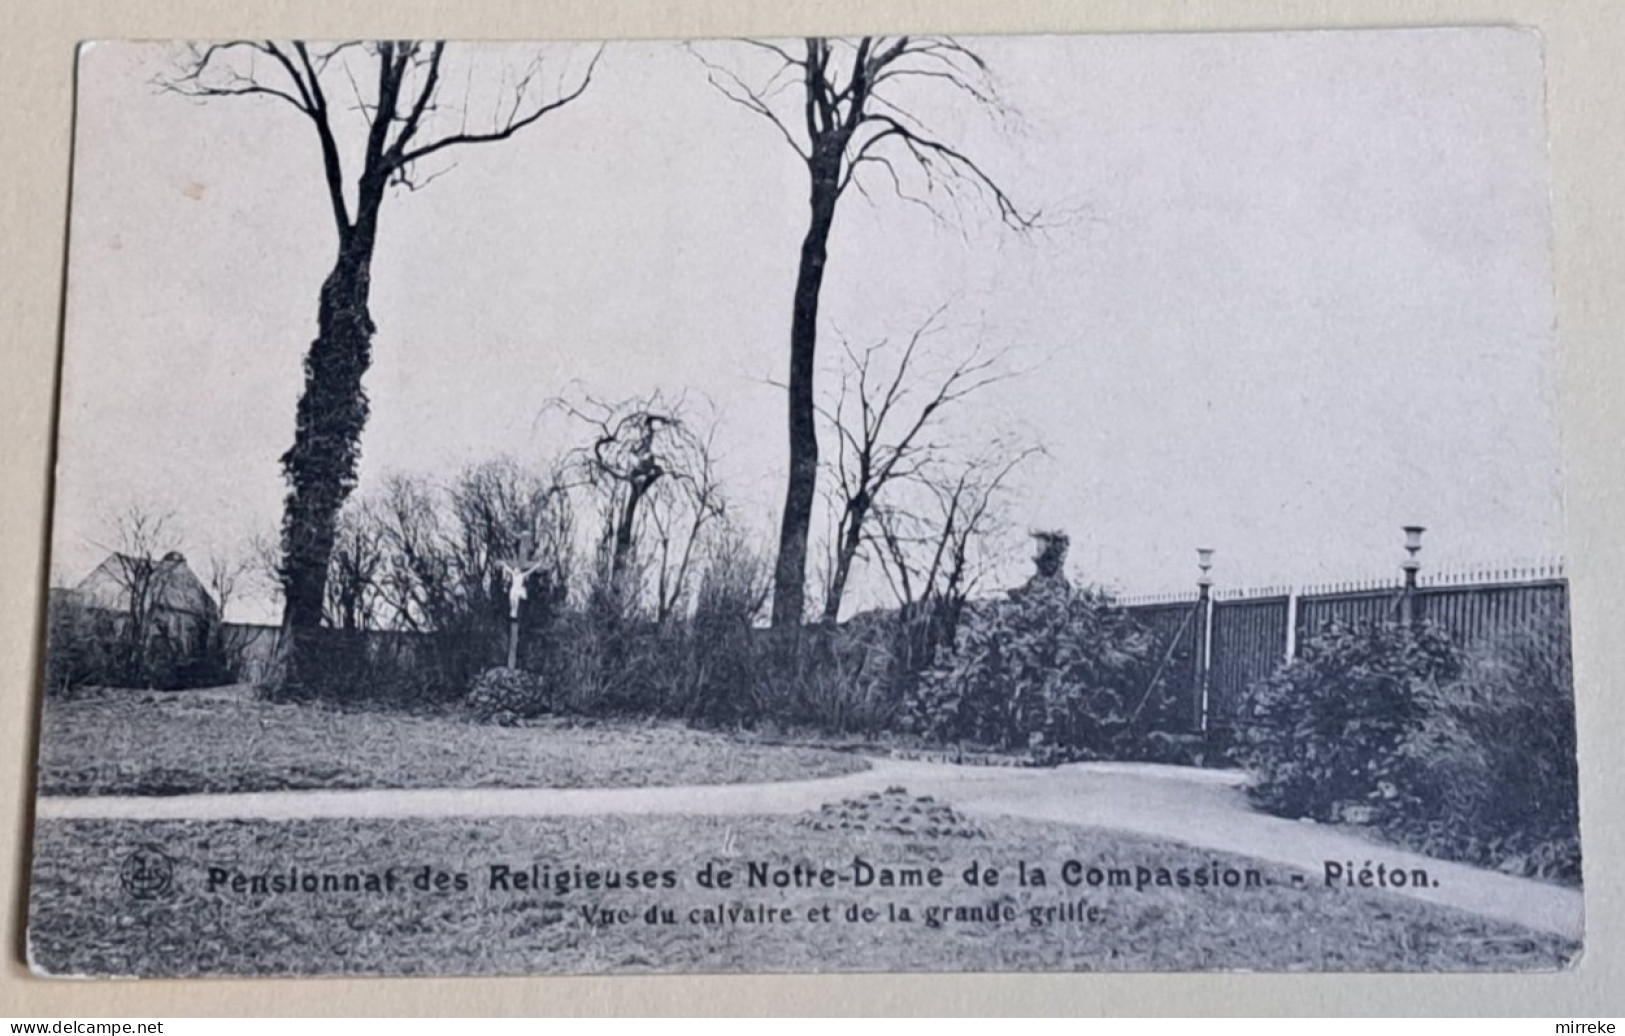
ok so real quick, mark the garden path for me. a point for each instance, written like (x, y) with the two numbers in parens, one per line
(1203, 808)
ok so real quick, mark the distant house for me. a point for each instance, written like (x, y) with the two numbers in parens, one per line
(135, 622)
(163, 594)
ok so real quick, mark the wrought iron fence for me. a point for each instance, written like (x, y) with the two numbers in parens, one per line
(1243, 635)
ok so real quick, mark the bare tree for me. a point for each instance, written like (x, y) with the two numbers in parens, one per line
(935, 552)
(141, 581)
(496, 506)
(102, 632)
(644, 459)
(353, 592)
(141, 568)
(416, 576)
(837, 103)
(226, 573)
(394, 90)
(681, 513)
(439, 547)
(883, 422)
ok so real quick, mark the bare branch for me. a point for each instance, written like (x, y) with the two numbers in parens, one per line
(514, 123)
(727, 83)
(332, 165)
(405, 177)
(195, 78)
(425, 97)
(883, 420)
(772, 48)
(928, 150)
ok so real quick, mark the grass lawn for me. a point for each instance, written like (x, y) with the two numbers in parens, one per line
(83, 921)
(173, 743)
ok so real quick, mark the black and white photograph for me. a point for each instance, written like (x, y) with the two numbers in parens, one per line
(874, 504)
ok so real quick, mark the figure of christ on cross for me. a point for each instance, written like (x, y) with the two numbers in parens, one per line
(517, 570)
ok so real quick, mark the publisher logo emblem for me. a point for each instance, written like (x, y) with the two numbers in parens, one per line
(147, 873)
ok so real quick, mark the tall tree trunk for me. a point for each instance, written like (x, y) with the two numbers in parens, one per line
(790, 571)
(321, 465)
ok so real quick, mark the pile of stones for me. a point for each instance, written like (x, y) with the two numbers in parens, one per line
(893, 811)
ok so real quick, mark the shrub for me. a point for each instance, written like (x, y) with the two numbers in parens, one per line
(1053, 670)
(1463, 756)
(1329, 729)
(363, 668)
(611, 655)
(592, 664)
(837, 679)
(82, 648)
(1514, 793)
(723, 662)
(89, 646)
(501, 694)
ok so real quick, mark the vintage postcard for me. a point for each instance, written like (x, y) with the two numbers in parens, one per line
(889, 503)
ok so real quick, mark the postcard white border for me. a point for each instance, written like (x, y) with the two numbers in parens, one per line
(1586, 97)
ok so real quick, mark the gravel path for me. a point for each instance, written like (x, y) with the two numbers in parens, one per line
(1204, 808)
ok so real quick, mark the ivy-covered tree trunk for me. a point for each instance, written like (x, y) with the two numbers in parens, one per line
(321, 465)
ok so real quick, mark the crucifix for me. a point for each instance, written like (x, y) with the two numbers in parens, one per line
(518, 569)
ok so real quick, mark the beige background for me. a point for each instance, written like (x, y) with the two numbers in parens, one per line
(1585, 42)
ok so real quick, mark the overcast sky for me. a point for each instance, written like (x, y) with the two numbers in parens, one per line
(1298, 296)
